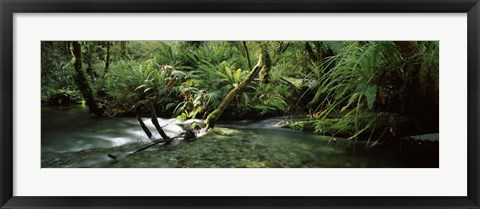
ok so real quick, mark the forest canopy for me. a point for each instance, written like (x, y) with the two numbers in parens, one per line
(367, 90)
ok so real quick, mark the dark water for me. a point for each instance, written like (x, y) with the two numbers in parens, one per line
(73, 138)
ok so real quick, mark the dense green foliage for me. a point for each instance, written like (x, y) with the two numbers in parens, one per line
(367, 89)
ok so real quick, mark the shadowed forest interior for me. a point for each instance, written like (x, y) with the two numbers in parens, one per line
(240, 104)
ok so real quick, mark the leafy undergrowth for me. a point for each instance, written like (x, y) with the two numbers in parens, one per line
(62, 97)
(366, 126)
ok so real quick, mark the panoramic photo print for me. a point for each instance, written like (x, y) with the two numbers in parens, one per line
(239, 104)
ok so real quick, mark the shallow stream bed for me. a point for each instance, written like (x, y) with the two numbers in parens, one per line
(71, 137)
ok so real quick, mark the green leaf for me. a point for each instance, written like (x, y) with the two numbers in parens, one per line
(169, 105)
(236, 77)
(371, 94)
(229, 73)
(140, 87)
(350, 101)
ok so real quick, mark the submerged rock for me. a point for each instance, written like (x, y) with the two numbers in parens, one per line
(424, 137)
(190, 135)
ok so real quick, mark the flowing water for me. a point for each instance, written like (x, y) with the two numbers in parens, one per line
(73, 138)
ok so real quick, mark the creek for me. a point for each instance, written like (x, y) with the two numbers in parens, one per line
(71, 137)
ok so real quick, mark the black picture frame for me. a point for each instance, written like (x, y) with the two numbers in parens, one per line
(9, 7)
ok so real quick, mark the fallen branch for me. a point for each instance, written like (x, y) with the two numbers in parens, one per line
(149, 145)
(262, 65)
(157, 124)
(188, 135)
(144, 127)
(115, 159)
(159, 128)
(160, 142)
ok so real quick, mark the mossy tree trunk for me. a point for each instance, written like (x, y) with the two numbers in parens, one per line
(408, 49)
(262, 65)
(311, 54)
(124, 50)
(107, 58)
(81, 80)
(315, 56)
(89, 58)
(318, 49)
(266, 65)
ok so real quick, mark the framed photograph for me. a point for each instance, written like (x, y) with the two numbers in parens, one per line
(239, 104)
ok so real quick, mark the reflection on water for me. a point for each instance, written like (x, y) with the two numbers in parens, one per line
(73, 138)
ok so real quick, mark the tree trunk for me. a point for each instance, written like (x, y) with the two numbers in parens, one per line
(90, 71)
(316, 55)
(88, 58)
(311, 54)
(247, 54)
(157, 124)
(267, 65)
(263, 63)
(82, 82)
(318, 49)
(144, 127)
(124, 50)
(107, 59)
(408, 49)
(283, 46)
